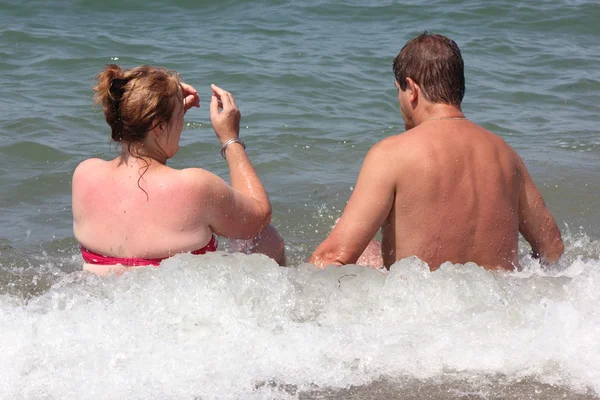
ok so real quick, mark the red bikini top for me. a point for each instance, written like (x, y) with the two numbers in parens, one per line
(91, 257)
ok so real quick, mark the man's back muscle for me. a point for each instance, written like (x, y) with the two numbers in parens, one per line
(457, 197)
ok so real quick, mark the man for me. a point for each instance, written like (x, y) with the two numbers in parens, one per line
(446, 189)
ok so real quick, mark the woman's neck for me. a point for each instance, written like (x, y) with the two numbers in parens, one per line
(141, 152)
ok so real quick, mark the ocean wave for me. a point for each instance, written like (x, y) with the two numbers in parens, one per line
(236, 326)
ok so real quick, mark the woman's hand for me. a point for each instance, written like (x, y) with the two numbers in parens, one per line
(226, 123)
(190, 97)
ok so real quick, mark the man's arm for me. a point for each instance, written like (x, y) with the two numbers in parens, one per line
(536, 223)
(367, 209)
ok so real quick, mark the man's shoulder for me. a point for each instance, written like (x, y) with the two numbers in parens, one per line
(390, 142)
(404, 144)
(498, 141)
(392, 154)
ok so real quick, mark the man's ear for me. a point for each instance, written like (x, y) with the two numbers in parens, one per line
(413, 89)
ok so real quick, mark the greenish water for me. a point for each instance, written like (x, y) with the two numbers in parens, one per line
(314, 83)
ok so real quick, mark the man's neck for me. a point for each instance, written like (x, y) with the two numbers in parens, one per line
(437, 112)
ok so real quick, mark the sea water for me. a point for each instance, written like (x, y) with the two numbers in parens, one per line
(234, 326)
(314, 84)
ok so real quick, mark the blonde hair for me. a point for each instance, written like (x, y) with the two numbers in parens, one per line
(136, 100)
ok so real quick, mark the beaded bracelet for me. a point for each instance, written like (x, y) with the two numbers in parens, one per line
(230, 141)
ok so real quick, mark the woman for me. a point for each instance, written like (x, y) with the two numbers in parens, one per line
(135, 210)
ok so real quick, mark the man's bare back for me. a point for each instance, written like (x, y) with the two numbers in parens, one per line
(457, 197)
(446, 189)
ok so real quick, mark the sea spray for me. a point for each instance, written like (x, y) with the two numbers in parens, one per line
(236, 326)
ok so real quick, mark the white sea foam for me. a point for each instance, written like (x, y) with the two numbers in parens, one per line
(236, 326)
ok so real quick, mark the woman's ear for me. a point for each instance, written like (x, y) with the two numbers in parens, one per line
(160, 129)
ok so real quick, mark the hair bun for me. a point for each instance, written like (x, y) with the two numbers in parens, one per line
(116, 87)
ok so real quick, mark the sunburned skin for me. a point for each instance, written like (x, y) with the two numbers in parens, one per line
(137, 207)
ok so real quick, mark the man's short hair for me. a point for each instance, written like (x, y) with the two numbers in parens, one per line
(434, 62)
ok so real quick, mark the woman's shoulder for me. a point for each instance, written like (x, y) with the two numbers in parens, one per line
(89, 165)
(86, 178)
(202, 181)
(87, 169)
(196, 176)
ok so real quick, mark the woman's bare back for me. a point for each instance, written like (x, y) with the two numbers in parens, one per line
(118, 213)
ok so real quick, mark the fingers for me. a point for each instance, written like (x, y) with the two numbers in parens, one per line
(214, 106)
(188, 89)
(217, 90)
(190, 96)
(191, 101)
(232, 100)
(225, 97)
(220, 94)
